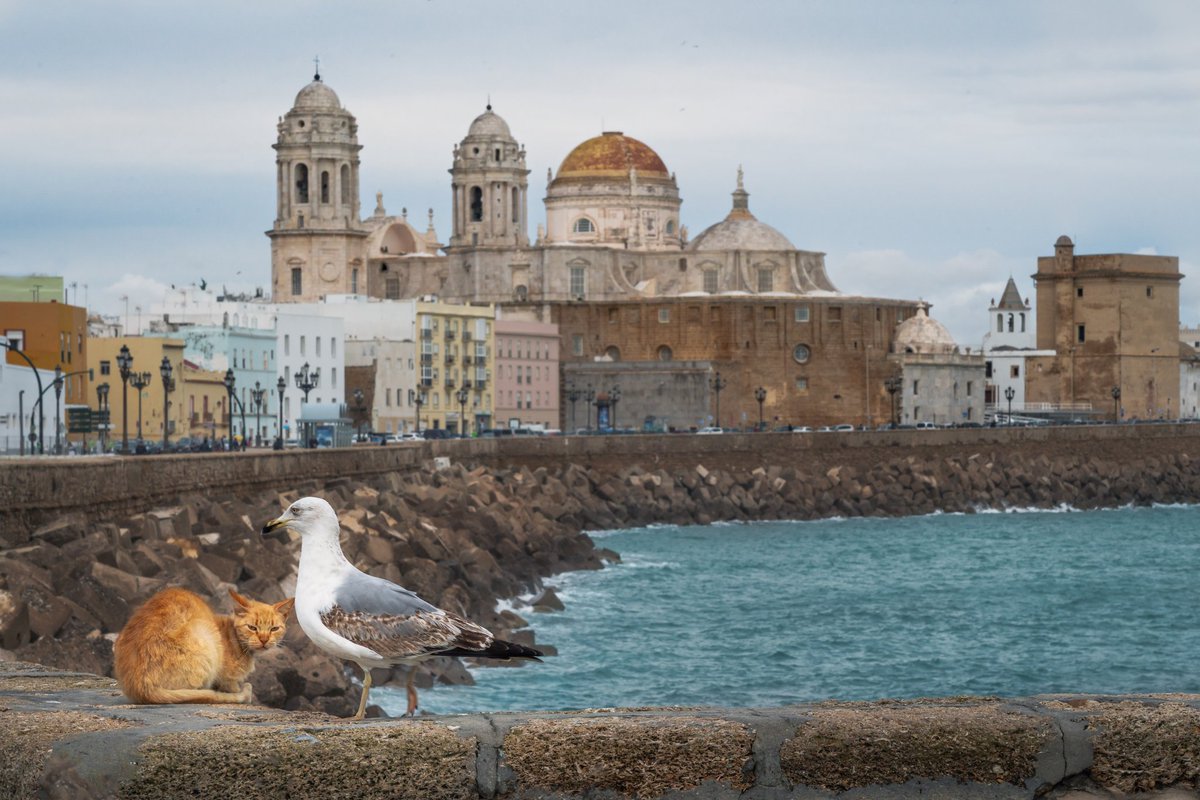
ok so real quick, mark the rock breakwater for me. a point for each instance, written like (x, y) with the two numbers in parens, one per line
(466, 535)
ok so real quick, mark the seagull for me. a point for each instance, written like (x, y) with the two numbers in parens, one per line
(371, 621)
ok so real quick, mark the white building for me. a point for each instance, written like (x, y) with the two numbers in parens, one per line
(18, 394)
(939, 383)
(1010, 340)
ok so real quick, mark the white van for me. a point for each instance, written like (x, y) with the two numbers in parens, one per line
(923, 426)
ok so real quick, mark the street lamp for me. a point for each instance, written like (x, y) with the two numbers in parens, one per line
(306, 381)
(760, 394)
(140, 381)
(1009, 394)
(590, 396)
(416, 398)
(461, 395)
(718, 383)
(164, 370)
(258, 394)
(102, 401)
(58, 387)
(893, 385)
(573, 396)
(615, 397)
(360, 408)
(280, 386)
(124, 364)
(229, 382)
(1116, 396)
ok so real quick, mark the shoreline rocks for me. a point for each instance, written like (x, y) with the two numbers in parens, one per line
(467, 536)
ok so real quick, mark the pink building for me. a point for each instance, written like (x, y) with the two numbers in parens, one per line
(526, 374)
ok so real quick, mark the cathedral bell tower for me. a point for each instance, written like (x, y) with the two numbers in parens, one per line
(489, 187)
(317, 239)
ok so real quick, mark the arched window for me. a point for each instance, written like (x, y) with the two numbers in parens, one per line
(345, 184)
(1022, 323)
(801, 354)
(670, 228)
(516, 208)
(999, 323)
(1010, 323)
(710, 281)
(476, 204)
(613, 352)
(301, 183)
(664, 353)
(324, 186)
(583, 225)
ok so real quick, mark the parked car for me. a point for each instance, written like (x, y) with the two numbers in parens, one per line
(411, 436)
(710, 430)
(926, 426)
(435, 433)
(845, 426)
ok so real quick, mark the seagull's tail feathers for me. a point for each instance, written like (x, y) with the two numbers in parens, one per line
(499, 649)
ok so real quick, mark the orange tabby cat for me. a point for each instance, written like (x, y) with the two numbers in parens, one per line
(174, 649)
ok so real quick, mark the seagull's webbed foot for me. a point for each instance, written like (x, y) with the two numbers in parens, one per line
(412, 691)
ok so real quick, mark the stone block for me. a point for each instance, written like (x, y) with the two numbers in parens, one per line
(129, 587)
(14, 621)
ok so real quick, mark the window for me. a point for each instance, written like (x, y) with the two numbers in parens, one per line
(577, 282)
(583, 225)
(835, 313)
(613, 352)
(391, 288)
(766, 280)
(345, 184)
(476, 204)
(801, 354)
(287, 344)
(999, 323)
(105, 367)
(577, 344)
(1079, 291)
(1022, 322)
(1081, 333)
(664, 315)
(333, 347)
(1149, 291)
(613, 316)
(325, 186)
(916, 387)
(296, 281)
(970, 387)
(802, 383)
(301, 183)
(354, 281)
(1014, 371)
(801, 314)
(317, 344)
(664, 353)
(670, 227)
(301, 345)
(333, 377)
(768, 313)
(1010, 323)
(710, 281)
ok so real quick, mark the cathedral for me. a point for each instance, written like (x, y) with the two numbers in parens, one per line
(733, 326)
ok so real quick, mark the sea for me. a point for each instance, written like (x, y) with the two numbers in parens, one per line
(773, 613)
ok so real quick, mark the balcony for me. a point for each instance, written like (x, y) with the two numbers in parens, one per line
(480, 360)
(449, 358)
(426, 333)
(467, 361)
(450, 334)
(426, 358)
(466, 336)
(448, 380)
(427, 381)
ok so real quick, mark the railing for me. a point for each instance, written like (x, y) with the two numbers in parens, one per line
(449, 358)
(449, 334)
(426, 333)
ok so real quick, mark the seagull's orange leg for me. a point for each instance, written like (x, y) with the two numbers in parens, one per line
(362, 701)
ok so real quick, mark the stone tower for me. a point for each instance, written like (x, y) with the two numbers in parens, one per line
(317, 239)
(489, 185)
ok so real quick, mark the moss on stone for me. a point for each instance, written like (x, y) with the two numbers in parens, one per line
(1139, 747)
(845, 748)
(641, 757)
(27, 739)
(354, 762)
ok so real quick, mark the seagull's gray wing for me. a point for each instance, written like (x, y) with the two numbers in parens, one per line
(395, 623)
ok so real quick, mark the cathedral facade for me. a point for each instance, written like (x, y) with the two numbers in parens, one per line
(612, 265)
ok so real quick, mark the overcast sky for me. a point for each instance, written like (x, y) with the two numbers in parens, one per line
(931, 149)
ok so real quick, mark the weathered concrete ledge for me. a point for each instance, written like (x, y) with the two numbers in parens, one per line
(71, 735)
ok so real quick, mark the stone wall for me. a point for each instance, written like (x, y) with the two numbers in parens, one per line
(70, 735)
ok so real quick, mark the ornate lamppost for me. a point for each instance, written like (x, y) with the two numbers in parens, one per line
(573, 396)
(760, 394)
(258, 395)
(164, 370)
(140, 381)
(306, 381)
(893, 385)
(124, 364)
(614, 397)
(590, 396)
(360, 410)
(1009, 394)
(230, 381)
(718, 383)
(461, 395)
(1116, 396)
(58, 387)
(102, 402)
(417, 399)
(280, 386)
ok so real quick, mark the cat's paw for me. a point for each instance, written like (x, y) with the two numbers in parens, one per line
(246, 695)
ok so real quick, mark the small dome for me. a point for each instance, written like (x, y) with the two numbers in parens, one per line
(1064, 241)
(741, 233)
(923, 334)
(317, 97)
(612, 154)
(489, 124)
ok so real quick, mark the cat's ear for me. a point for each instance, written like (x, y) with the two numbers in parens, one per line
(241, 601)
(285, 607)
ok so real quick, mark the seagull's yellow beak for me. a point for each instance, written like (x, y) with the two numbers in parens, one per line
(275, 524)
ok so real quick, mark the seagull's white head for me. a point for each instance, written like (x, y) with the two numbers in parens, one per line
(311, 517)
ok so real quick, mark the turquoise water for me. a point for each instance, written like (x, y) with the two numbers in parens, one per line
(772, 613)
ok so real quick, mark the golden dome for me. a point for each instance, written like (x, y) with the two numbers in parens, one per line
(612, 154)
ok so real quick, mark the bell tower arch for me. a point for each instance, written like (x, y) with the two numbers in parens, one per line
(489, 187)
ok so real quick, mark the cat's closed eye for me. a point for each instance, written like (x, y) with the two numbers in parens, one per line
(252, 627)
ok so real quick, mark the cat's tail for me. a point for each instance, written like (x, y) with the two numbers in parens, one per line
(154, 695)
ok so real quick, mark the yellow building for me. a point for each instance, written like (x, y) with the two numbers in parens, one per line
(456, 350)
(205, 403)
(145, 384)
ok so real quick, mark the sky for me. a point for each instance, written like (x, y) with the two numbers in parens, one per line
(930, 149)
